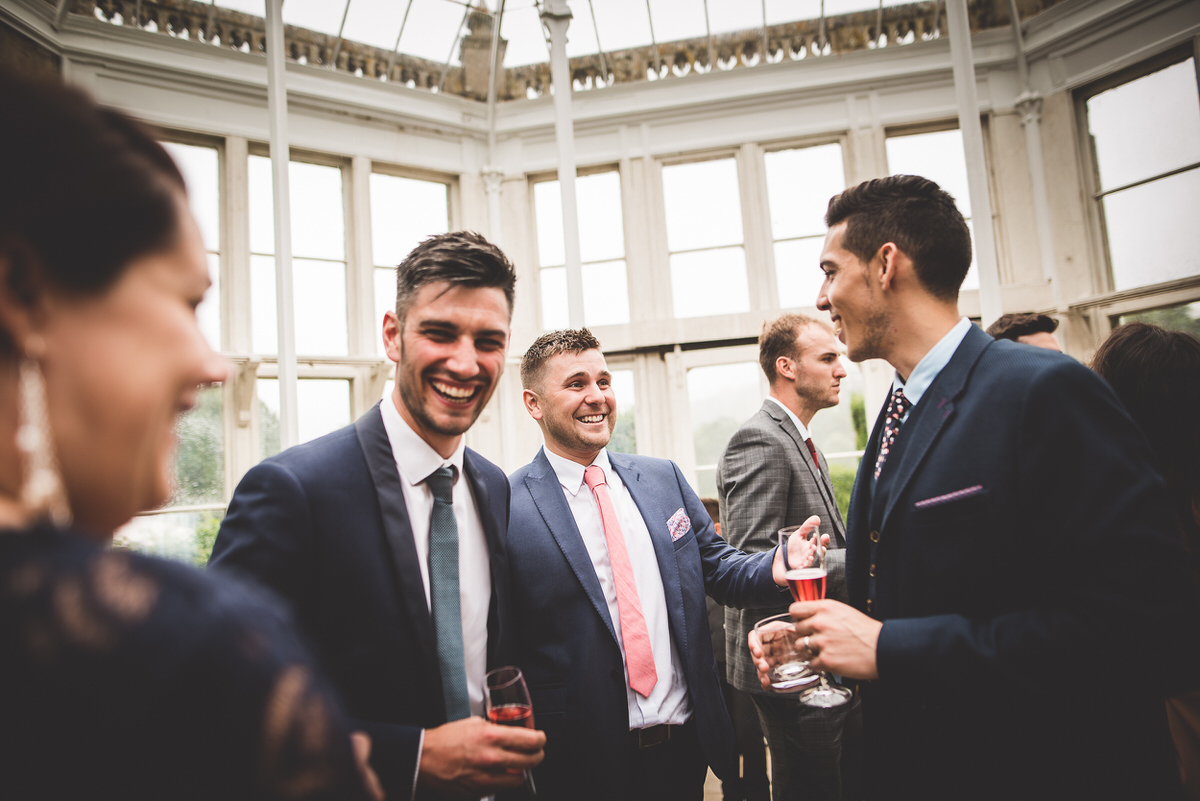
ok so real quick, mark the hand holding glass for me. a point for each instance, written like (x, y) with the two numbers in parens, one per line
(506, 702)
(807, 583)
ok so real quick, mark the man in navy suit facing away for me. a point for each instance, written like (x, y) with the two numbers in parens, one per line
(611, 557)
(1017, 587)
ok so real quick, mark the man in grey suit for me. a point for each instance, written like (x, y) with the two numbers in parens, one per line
(770, 476)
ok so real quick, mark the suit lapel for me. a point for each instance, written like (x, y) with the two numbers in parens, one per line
(819, 473)
(397, 531)
(547, 492)
(931, 415)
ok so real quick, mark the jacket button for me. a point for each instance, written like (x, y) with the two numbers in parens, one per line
(874, 536)
(871, 571)
(870, 604)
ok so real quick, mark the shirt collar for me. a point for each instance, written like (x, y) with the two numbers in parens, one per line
(416, 458)
(570, 474)
(932, 363)
(800, 426)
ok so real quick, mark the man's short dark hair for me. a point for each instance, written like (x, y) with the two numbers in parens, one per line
(1015, 326)
(549, 345)
(778, 338)
(918, 216)
(460, 257)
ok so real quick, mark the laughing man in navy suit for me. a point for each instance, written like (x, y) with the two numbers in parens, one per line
(630, 704)
(342, 527)
(1017, 583)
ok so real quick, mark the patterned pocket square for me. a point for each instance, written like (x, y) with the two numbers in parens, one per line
(950, 496)
(679, 524)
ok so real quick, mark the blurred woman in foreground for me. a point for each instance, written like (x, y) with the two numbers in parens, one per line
(122, 676)
(1156, 374)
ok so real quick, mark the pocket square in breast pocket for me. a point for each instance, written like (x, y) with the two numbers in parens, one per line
(679, 524)
(950, 497)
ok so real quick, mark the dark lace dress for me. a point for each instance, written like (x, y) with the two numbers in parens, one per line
(128, 677)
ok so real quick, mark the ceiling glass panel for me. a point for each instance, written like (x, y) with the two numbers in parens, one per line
(323, 16)
(725, 16)
(678, 19)
(375, 22)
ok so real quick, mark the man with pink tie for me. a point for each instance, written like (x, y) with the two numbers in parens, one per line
(611, 556)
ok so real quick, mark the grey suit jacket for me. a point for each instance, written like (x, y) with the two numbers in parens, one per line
(766, 480)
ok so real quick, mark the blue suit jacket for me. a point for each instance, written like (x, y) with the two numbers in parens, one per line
(564, 638)
(324, 524)
(1019, 548)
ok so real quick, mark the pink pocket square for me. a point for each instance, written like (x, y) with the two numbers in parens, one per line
(679, 524)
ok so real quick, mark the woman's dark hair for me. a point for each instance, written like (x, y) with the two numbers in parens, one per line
(1156, 374)
(84, 190)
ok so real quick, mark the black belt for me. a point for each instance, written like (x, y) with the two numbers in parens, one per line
(654, 735)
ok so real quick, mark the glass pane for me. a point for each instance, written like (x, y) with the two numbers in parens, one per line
(385, 301)
(200, 458)
(605, 295)
(800, 183)
(553, 281)
(601, 230)
(721, 398)
(319, 289)
(547, 204)
(938, 156)
(200, 171)
(318, 225)
(624, 438)
(405, 211)
(183, 536)
(1182, 317)
(798, 271)
(710, 282)
(208, 313)
(1169, 208)
(1162, 108)
(702, 204)
(324, 406)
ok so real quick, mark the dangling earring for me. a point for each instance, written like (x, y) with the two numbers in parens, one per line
(42, 489)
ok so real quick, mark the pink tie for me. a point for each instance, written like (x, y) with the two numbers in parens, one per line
(639, 659)
(813, 450)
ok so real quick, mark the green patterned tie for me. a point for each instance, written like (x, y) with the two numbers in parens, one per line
(443, 593)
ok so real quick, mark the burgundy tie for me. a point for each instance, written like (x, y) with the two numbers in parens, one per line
(639, 659)
(813, 450)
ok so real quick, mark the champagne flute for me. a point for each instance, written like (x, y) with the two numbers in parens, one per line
(506, 703)
(808, 584)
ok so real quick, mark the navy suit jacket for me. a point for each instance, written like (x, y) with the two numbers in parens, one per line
(564, 638)
(1019, 549)
(324, 524)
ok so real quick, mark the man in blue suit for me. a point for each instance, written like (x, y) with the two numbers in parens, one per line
(387, 537)
(1017, 586)
(611, 556)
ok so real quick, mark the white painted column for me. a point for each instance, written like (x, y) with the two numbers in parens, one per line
(289, 432)
(963, 63)
(1029, 103)
(556, 16)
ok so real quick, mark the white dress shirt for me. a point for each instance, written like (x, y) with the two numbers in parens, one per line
(668, 701)
(931, 365)
(416, 461)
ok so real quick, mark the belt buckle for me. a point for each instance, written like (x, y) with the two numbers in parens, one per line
(654, 735)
